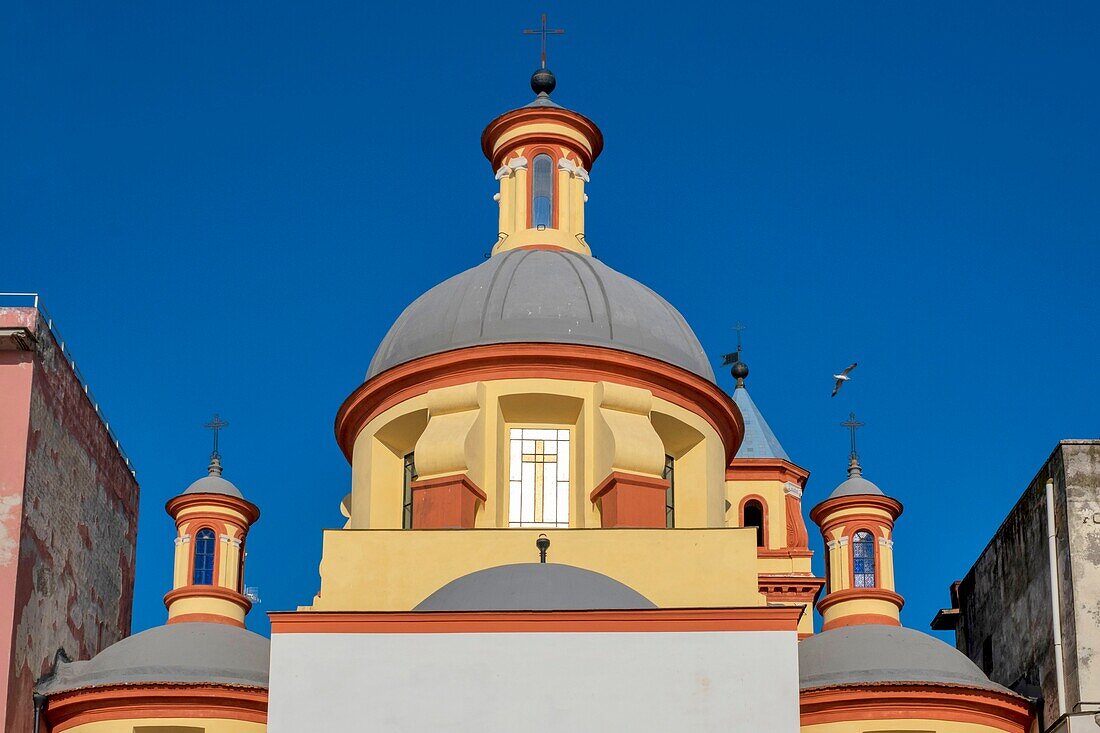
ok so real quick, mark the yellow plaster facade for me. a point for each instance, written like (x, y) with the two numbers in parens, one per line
(464, 430)
(370, 569)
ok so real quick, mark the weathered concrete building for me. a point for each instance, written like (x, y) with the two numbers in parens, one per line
(1001, 612)
(68, 515)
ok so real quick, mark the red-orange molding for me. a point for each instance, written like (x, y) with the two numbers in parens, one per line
(207, 591)
(535, 361)
(859, 594)
(68, 710)
(766, 469)
(527, 115)
(892, 507)
(756, 618)
(892, 701)
(185, 501)
(631, 500)
(445, 502)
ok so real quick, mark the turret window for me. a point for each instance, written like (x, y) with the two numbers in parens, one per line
(542, 191)
(204, 557)
(863, 557)
(538, 478)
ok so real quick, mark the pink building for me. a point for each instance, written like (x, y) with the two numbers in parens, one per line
(68, 514)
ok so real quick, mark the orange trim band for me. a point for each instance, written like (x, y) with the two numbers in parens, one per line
(762, 618)
(178, 503)
(207, 591)
(527, 115)
(67, 710)
(766, 469)
(205, 618)
(860, 619)
(820, 512)
(1001, 710)
(860, 594)
(545, 361)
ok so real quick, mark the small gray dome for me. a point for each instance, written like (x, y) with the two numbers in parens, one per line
(876, 653)
(542, 296)
(214, 485)
(534, 587)
(856, 486)
(180, 653)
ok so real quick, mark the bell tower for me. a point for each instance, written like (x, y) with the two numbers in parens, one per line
(212, 521)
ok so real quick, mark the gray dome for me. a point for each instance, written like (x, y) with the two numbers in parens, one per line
(214, 485)
(875, 653)
(534, 587)
(856, 486)
(180, 653)
(541, 296)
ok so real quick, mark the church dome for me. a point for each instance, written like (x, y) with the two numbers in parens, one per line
(876, 653)
(542, 296)
(534, 587)
(180, 653)
(214, 485)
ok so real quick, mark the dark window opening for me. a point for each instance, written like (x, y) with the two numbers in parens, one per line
(753, 516)
(407, 498)
(669, 474)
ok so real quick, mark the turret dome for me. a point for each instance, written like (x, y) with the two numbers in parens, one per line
(542, 296)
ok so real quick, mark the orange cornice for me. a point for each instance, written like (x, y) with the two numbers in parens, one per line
(67, 710)
(528, 115)
(757, 618)
(858, 594)
(766, 469)
(177, 504)
(545, 361)
(891, 701)
(820, 512)
(207, 591)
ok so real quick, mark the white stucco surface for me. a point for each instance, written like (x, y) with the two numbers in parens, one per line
(656, 681)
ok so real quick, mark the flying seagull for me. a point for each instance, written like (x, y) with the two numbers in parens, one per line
(842, 378)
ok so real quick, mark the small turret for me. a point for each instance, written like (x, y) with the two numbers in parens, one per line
(212, 521)
(857, 524)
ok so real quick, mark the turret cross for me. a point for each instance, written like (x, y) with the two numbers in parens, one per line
(544, 32)
(853, 425)
(216, 424)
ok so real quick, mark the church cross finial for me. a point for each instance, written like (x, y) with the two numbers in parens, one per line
(544, 32)
(739, 328)
(215, 458)
(739, 369)
(853, 425)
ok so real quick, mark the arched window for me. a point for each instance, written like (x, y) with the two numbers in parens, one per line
(204, 557)
(542, 191)
(753, 516)
(863, 555)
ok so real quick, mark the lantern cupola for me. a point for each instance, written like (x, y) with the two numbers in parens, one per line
(857, 524)
(541, 154)
(212, 521)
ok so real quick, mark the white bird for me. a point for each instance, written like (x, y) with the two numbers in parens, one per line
(842, 378)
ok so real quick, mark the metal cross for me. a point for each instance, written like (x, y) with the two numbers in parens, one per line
(739, 328)
(544, 32)
(216, 424)
(853, 425)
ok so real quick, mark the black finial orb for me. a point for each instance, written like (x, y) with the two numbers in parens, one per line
(740, 370)
(543, 81)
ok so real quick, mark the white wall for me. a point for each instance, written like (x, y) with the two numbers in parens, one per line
(656, 681)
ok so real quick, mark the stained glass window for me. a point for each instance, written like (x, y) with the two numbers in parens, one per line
(204, 557)
(863, 555)
(670, 493)
(408, 477)
(754, 517)
(542, 191)
(538, 474)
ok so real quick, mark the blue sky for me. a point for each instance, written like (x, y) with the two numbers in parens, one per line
(222, 206)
